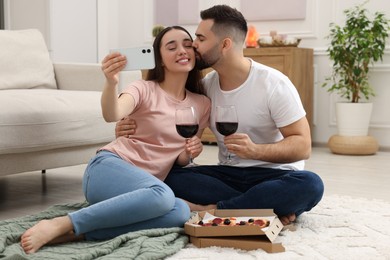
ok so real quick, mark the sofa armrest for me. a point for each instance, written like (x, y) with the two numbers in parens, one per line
(87, 76)
(79, 76)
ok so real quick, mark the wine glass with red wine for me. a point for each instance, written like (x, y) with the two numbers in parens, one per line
(187, 125)
(226, 123)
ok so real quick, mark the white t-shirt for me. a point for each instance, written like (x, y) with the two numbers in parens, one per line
(266, 101)
(156, 144)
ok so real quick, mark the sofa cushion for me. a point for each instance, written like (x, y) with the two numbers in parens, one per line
(42, 119)
(24, 60)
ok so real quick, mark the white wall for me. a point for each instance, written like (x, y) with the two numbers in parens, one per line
(73, 30)
(69, 27)
(84, 31)
(123, 23)
(23, 14)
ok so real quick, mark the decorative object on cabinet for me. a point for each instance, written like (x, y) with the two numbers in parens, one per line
(278, 40)
(251, 38)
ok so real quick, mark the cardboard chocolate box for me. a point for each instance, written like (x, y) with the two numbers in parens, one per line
(246, 237)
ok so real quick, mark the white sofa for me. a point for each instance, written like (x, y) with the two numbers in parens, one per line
(50, 114)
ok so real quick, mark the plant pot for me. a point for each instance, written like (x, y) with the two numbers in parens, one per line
(353, 119)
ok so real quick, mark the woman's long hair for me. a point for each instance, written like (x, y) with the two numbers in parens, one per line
(193, 83)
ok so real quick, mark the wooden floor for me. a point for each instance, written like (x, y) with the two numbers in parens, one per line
(356, 176)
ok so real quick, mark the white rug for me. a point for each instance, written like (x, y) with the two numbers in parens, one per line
(337, 228)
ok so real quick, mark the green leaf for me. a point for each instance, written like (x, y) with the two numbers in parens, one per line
(353, 47)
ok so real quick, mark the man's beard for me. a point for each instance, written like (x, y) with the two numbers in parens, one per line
(208, 59)
(201, 64)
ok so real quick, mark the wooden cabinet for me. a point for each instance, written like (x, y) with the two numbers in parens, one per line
(295, 63)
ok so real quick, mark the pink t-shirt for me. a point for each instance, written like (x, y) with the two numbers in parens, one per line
(156, 145)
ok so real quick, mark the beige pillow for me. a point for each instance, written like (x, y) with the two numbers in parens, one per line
(25, 61)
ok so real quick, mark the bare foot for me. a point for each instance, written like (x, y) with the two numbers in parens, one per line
(44, 232)
(198, 207)
(286, 220)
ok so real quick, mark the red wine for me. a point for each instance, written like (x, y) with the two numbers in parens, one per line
(187, 131)
(226, 128)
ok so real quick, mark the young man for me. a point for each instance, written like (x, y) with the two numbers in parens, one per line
(273, 136)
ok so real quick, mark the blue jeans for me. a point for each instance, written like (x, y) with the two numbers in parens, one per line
(124, 198)
(284, 191)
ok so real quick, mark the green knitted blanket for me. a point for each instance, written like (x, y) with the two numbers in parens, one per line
(145, 244)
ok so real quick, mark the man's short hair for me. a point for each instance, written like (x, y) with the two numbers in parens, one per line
(228, 22)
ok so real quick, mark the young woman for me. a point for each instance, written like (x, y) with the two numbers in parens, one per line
(123, 183)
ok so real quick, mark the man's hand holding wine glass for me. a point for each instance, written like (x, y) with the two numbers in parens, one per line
(241, 145)
(226, 123)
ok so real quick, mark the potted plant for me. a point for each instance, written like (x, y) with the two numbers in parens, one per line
(353, 48)
(157, 29)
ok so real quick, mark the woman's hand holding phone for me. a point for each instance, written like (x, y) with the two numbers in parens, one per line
(112, 64)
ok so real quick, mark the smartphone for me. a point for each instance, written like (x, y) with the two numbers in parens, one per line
(138, 58)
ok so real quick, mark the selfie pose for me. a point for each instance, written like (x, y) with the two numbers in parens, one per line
(123, 183)
(262, 158)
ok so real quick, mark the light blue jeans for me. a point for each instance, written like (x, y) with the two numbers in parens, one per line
(124, 198)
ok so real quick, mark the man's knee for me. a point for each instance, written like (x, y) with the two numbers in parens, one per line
(316, 184)
(314, 189)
